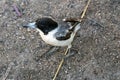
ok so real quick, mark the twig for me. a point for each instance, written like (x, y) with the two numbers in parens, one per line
(7, 71)
(62, 61)
(60, 65)
(85, 9)
(17, 10)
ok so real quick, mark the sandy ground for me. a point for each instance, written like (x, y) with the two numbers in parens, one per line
(97, 42)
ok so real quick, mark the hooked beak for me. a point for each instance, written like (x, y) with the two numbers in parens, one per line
(30, 25)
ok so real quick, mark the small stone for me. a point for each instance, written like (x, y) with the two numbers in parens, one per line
(22, 37)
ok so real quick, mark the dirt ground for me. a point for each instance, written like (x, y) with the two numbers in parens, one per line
(97, 42)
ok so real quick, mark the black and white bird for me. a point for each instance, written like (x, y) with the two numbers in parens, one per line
(55, 33)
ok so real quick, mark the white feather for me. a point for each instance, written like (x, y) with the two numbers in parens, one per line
(50, 39)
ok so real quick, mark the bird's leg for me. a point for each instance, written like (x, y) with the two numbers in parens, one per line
(71, 52)
(50, 52)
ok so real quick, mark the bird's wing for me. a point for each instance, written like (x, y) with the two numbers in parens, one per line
(63, 32)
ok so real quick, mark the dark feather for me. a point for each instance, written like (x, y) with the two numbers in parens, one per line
(63, 31)
(46, 25)
(64, 37)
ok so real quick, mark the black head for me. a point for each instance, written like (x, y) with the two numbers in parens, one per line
(46, 25)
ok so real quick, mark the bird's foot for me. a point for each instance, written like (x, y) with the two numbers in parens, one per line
(71, 53)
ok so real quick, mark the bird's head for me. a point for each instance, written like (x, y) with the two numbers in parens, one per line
(44, 24)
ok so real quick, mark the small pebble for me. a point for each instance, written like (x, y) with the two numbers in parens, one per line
(22, 37)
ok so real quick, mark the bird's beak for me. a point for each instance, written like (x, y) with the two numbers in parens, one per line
(30, 25)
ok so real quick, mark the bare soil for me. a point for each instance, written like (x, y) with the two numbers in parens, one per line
(97, 42)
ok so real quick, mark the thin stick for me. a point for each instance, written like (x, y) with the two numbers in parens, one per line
(85, 9)
(61, 63)
(7, 71)
(17, 10)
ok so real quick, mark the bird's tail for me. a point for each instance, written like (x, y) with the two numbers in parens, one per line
(74, 22)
